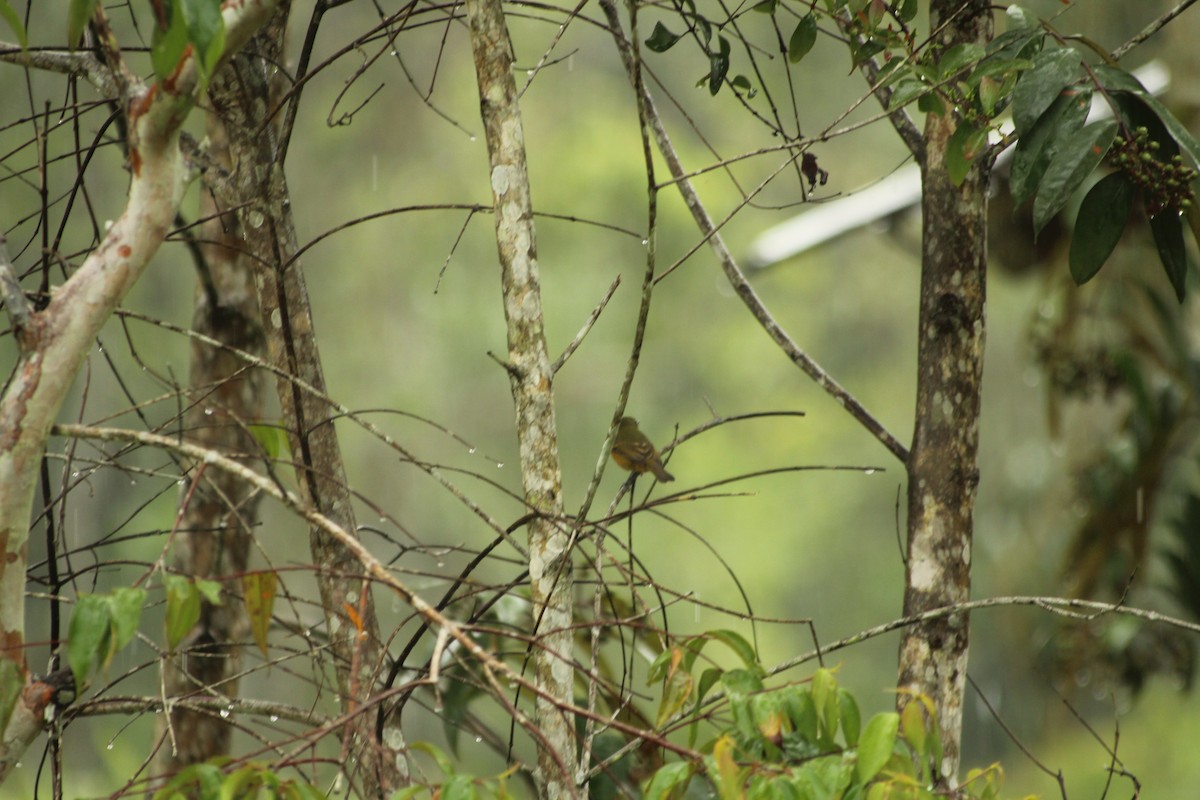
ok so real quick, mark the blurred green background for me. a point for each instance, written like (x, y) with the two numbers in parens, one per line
(405, 320)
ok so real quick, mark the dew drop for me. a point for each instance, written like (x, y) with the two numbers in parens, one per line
(255, 218)
(473, 137)
(478, 739)
(74, 474)
(471, 450)
(224, 713)
(645, 242)
(868, 472)
(499, 465)
(441, 564)
(108, 746)
(274, 718)
(208, 412)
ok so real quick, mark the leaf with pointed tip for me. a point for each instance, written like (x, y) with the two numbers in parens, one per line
(1168, 237)
(803, 38)
(1036, 148)
(1101, 221)
(78, 15)
(1053, 70)
(1078, 156)
(661, 39)
(14, 22)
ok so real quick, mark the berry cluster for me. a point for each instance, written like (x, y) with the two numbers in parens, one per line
(1163, 184)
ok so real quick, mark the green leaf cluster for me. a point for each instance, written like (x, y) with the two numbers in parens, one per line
(1152, 155)
(798, 741)
(253, 781)
(102, 624)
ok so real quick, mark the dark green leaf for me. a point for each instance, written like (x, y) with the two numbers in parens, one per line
(14, 22)
(875, 746)
(1036, 148)
(907, 11)
(1115, 79)
(1168, 237)
(718, 65)
(765, 7)
(958, 57)
(90, 636)
(931, 103)
(78, 14)
(904, 92)
(1102, 218)
(861, 53)
(661, 39)
(803, 38)
(1053, 70)
(743, 83)
(1071, 166)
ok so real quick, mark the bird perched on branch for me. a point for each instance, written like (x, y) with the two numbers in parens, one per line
(633, 452)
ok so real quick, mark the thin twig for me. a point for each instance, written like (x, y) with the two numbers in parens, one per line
(587, 326)
(729, 265)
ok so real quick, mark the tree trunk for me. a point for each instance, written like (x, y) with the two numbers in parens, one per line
(942, 467)
(260, 193)
(225, 397)
(550, 569)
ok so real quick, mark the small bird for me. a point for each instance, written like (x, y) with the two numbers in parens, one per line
(633, 452)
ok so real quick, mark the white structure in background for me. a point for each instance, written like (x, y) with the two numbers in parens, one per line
(901, 190)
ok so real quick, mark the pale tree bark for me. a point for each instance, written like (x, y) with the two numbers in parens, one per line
(258, 189)
(225, 397)
(531, 376)
(942, 466)
(54, 341)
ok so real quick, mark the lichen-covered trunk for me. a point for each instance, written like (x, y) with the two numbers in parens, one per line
(225, 397)
(531, 375)
(942, 467)
(259, 190)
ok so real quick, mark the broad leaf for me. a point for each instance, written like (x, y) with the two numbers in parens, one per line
(875, 746)
(661, 39)
(1076, 159)
(90, 636)
(206, 30)
(1098, 228)
(1036, 148)
(965, 144)
(1053, 71)
(1168, 237)
(718, 65)
(803, 38)
(125, 605)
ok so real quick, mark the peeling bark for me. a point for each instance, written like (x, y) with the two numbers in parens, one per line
(55, 341)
